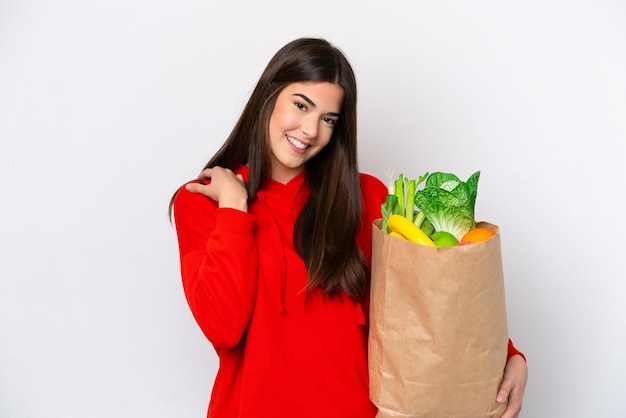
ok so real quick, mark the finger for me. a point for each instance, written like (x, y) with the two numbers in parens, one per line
(512, 411)
(514, 405)
(504, 391)
(195, 187)
(508, 413)
(205, 174)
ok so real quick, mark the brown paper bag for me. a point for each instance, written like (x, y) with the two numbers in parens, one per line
(438, 332)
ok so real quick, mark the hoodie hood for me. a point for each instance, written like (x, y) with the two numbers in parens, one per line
(281, 202)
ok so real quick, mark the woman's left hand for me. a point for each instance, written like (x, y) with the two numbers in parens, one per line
(513, 386)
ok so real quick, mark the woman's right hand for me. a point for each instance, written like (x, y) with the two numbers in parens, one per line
(226, 188)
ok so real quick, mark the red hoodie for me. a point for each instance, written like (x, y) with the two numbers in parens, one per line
(283, 352)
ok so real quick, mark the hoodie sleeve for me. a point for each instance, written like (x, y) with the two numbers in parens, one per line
(374, 194)
(218, 260)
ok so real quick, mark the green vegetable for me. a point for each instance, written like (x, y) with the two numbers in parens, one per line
(427, 227)
(419, 218)
(448, 203)
(388, 208)
(400, 192)
(401, 200)
(409, 208)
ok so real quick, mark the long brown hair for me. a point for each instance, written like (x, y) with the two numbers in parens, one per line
(325, 231)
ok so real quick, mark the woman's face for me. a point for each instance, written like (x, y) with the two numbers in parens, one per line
(301, 125)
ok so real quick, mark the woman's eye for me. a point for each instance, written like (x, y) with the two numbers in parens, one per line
(300, 106)
(330, 121)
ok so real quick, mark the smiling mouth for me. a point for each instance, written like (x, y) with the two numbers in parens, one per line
(293, 141)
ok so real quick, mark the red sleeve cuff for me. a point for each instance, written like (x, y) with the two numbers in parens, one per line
(514, 351)
(234, 221)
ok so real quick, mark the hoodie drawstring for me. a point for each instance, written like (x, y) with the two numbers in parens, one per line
(282, 268)
(360, 315)
(280, 254)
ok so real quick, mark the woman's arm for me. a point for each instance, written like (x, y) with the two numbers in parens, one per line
(218, 258)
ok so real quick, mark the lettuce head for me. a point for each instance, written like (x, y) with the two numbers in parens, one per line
(448, 203)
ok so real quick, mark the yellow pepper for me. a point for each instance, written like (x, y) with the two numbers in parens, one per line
(406, 228)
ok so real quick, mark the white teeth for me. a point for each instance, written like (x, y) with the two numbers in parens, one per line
(297, 143)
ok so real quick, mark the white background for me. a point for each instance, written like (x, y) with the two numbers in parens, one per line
(106, 107)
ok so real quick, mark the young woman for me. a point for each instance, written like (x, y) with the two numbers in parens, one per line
(275, 244)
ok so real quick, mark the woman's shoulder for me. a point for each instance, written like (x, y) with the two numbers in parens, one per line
(374, 193)
(185, 197)
(186, 203)
(372, 185)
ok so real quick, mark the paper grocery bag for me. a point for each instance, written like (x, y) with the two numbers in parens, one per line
(438, 332)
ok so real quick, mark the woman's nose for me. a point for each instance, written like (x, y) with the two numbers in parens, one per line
(309, 127)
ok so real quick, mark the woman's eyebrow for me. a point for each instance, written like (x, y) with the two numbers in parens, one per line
(305, 98)
(312, 103)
